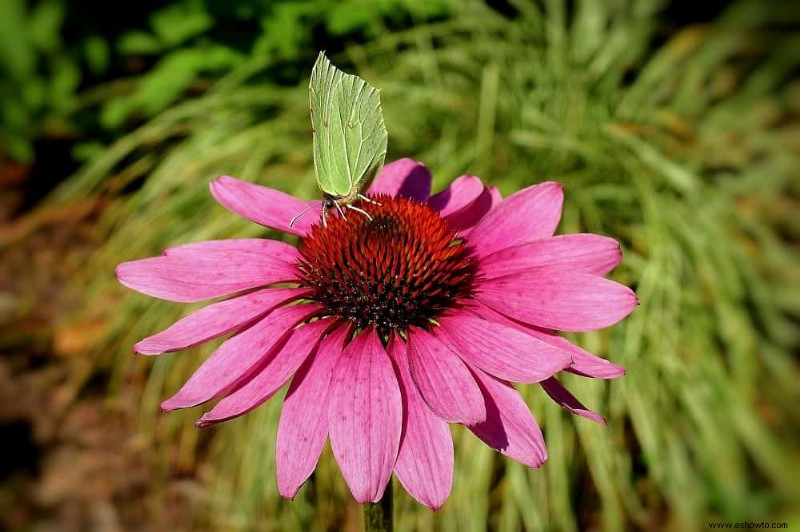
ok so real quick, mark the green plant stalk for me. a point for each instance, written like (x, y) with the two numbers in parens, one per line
(378, 515)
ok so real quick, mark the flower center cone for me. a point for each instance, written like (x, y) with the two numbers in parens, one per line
(401, 266)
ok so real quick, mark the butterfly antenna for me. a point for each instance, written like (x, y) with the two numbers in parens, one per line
(298, 216)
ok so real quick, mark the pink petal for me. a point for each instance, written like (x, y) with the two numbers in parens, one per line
(266, 383)
(566, 301)
(466, 219)
(583, 362)
(365, 416)
(265, 206)
(510, 426)
(238, 356)
(502, 351)
(204, 270)
(497, 197)
(425, 462)
(562, 396)
(442, 379)
(469, 218)
(213, 251)
(404, 177)
(578, 252)
(303, 427)
(463, 203)
(217, 319)
(530, 214)
(459, 195)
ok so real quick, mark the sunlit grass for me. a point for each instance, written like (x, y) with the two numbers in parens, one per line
(685, 151)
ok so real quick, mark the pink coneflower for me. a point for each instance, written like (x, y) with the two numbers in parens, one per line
(390, 327)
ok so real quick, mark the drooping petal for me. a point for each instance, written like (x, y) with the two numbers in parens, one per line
(576, 252)
(216, 320)
(525, 216)
(303, 426)
(365, 417)
(510, 427)
(502, 351)
(583, 362)
(266, 206)
(425, 462)
(444, 382)
(403, 177)
(562, 396)
(269, 379)
(567, 301)
(205, 270)
(238, 357)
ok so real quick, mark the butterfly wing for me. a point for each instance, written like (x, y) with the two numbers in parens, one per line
(349, 135)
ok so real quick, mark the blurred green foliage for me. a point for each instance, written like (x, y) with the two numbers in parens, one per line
(195, 40)
(52, 84)
(682, 145)
(38, 81)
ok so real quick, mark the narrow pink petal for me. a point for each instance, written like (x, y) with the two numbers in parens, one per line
(566, 301)
(205, 270)
(404, 177)
(444, 382)
(236, 249)
(217, 319)
(303, 427)
(525, 216)
(562, 396)
(583, 362)
(425, 462)
(502, 351)
(238, 357)
(577, 252)
(510, 427)
(269, 379)
(265, 206)
(365, 417)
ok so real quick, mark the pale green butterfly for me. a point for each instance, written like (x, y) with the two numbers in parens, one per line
(349, 136)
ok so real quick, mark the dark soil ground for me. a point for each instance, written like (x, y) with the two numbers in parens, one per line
(72, 457)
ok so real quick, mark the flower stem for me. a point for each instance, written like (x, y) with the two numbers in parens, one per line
(378, 515)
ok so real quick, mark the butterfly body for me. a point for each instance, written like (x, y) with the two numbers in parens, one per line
(349, 136)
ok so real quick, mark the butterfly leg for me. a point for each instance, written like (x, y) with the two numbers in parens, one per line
(324, 216)
(362, 197)
(341, 211)
(362, 211)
